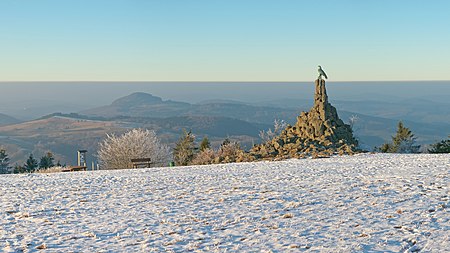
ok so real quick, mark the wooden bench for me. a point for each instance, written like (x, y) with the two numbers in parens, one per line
(74, 168)
(141, 163)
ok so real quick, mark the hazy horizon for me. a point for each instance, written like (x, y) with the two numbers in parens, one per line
(48, 97)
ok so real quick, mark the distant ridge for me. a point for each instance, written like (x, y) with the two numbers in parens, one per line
(137, 99)
(7, 120)
(64, 133)
(147, 105)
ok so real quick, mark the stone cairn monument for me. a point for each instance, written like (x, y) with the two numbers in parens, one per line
(317, 133)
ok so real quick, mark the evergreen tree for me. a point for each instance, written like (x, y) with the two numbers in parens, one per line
(46, 161)
(440, 147)
(18, 169)
(31, 164)
(402, 142)
(384, 148)
(4, 162)
(205, 144)
(184, 150)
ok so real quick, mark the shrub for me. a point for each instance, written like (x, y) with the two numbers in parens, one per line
(205, 156)
(228, 152)
(116, 152)
(54, 169)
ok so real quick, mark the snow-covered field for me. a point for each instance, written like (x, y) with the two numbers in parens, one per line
(362, 203)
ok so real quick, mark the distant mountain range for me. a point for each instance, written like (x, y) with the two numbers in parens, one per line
(63, 133)
(146, 105)
(377, 120)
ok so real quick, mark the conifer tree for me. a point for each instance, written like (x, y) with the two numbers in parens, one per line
(205, 144)
(402, 142)
(18, 169)
(440, 147)
(31, 164)
(47, 161)
(184, 150)
(4, 162)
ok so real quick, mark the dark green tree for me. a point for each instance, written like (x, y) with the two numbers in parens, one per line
(402, 142)
(205, 144)
(440, 147)
(384, 148)
(18, 169)
(47, 161)
(4, 162)
(185, 149)
(31, 164)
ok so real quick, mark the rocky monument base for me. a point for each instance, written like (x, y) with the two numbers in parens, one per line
(317, 133)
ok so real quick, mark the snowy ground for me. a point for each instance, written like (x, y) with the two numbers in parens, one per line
(362, 203)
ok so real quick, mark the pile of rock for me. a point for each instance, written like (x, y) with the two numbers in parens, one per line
(317, 133)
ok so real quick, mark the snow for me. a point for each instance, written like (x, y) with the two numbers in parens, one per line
(361, 203)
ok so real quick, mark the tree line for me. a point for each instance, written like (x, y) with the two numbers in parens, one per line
(116, 152)
(31, 164)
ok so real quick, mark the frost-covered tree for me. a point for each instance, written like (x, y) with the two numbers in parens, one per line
(116, 152)
(185, 149)
(278, 126)
(205, 156)
(402, 142)
(229, 152)
(4, 162)
(352, 121)
(440, 147)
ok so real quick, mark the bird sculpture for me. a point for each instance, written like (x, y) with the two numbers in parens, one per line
(322, 73)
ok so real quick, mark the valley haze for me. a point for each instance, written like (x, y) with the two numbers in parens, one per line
(31, 100)
(238, 110)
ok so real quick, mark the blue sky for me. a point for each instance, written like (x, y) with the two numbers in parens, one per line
(227, 40)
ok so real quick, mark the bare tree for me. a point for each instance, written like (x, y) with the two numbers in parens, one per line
(278, 126)
(116, 152)
(352, 121)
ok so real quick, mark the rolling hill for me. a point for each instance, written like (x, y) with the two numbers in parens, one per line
(63, 134)
(146, 105)
(7, 120)
(377, 120)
